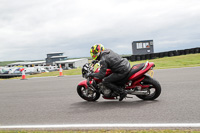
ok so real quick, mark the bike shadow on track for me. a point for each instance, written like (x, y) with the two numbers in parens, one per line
(107, 105)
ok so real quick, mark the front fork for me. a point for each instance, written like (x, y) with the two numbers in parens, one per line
(89, 88)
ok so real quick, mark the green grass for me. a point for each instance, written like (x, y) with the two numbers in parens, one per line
(190, 60)
(108, 131)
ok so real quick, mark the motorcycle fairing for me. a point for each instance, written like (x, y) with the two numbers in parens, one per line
(108, 71)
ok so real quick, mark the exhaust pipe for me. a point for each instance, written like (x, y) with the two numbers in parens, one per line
(142, 92)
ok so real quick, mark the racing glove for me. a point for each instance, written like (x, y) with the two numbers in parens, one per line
(94, 61)
(88, 75)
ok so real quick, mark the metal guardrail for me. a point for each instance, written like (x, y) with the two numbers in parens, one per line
(163, 54)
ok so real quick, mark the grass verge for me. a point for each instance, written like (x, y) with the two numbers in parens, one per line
(190, 60)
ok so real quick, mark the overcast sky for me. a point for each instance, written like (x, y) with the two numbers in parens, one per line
(29, 29)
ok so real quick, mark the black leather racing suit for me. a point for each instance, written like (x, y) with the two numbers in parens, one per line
(118, 65)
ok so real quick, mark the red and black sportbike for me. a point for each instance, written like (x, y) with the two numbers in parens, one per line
(136, 83)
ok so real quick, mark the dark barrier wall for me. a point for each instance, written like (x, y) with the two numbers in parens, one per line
(163, 54)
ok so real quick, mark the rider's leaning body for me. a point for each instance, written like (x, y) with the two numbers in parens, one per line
(110, 60)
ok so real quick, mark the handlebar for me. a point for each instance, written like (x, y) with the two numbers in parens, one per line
(88, 68)
(94, 61)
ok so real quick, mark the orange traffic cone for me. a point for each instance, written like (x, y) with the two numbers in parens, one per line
(61, 73)
(23, 74)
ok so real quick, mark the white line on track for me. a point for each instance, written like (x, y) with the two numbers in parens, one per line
(163, 125)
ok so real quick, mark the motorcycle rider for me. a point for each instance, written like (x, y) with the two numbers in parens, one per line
(110, 60)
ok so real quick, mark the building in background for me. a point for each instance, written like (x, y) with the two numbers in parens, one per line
(74, 63)
(142, 47)
(53, 57)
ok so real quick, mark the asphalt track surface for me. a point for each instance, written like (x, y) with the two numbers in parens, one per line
(54, 101)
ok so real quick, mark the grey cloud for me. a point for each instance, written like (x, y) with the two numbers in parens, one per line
(30, 29)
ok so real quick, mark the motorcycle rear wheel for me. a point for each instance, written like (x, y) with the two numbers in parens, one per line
(154, 86)
(86, 94)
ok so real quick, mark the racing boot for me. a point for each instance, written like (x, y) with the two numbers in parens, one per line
(119, 90)
(122, 95)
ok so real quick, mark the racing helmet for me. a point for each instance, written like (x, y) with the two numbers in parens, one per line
(95, 50)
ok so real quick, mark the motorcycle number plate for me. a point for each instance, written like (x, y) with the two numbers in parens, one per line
(151, 73)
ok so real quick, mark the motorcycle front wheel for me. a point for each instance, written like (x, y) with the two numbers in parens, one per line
(87, 94)
(154, 89)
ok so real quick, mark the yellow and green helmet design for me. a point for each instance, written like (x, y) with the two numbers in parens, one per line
(97, 48)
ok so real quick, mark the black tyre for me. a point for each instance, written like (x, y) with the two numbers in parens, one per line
(87, 94)
(154, 89)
